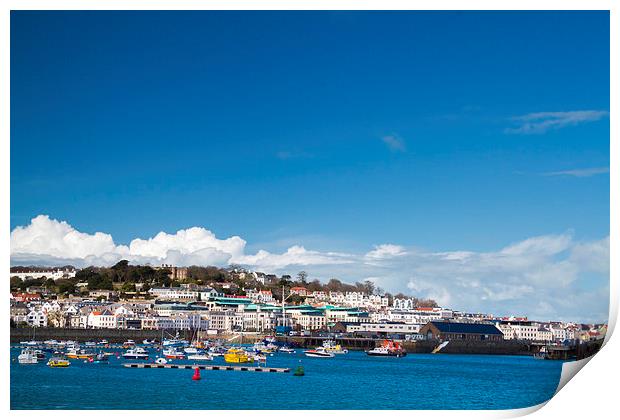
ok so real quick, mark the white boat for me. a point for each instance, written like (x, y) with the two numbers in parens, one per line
(172, 353)
(285, 349)
(29, 343)
(102, 342)
(161, 361)
(148, 342)
(90, 344)
(136, 353)
(27, 357)
(319, 352)
(388, 349)
(542, 353)
(190, 350)
(199, 356)
(129, 343)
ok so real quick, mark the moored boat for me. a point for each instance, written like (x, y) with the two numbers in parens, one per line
(136, 353)
(388, 348)
(80, 354)
(27, 357)
(331, 347)
(319, 352)
(285, 349)
(199, 356)
(172, 353)
(58, 362)
(236, 355)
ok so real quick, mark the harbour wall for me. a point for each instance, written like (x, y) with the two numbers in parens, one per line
(84, 334)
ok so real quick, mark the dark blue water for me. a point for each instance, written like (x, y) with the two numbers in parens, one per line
(351, 381)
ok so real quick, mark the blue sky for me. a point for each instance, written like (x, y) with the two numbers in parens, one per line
(335, 131)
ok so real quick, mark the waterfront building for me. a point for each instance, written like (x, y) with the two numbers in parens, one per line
(444, 330)
(25, 273)
(102, 319)
(37, 317)
(383, 328)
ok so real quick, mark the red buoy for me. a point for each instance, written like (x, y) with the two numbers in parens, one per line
(196, 376)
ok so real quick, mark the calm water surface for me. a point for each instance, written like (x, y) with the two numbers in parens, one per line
(350, 381)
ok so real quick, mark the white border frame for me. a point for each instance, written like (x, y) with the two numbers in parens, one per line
(592, 395)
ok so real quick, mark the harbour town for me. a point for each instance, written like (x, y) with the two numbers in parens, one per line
(201, 305)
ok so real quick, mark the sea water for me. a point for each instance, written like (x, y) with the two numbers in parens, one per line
(349, 381)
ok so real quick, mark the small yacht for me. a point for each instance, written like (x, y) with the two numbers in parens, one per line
(286, 349)
(199, 356)
(90, 344)
(319, 352)
(136, 353)
(190, 350)
(27, 357)
(129, 344)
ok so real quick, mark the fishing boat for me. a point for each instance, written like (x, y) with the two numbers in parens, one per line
(236, 355)
(319, 352)
(332, 347)
(172, 353)
(200, 356)
(136, 353)
(79, 354)
(388, 348)
(27, 357)
(58, 362)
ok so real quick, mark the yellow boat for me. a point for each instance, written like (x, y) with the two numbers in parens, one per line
(80, 354)
(237, 356)
(55, 362)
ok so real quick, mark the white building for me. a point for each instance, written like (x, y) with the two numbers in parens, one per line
(50, 273)
(102, 319)
(37, 318)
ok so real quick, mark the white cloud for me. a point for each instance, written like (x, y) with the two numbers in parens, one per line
(579, 173)
(386, 251)
(550, 276)
(394, 142)
(541, 122)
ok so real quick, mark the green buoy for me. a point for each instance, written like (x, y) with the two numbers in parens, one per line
(299, 371)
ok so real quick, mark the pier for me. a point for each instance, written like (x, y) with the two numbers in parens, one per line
(207, 367)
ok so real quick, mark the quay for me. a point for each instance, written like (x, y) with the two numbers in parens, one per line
(207, 367)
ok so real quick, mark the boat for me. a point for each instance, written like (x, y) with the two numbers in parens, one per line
(90, 344)
(190, 350)
(136, 353)
(332, 347)
(79, 354)
(285, 349)
(39, 354)
(148, 342)
(172, 353)
(129, 344)
(161, 361)
(264, 347)
(388, 348)
(102, 357)
(236, 355)
(58, 362)
(542, 353)
(260, 358)
(27, 357)
(319, 352)
(200, 356)
(103, 342)
(29, 343)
